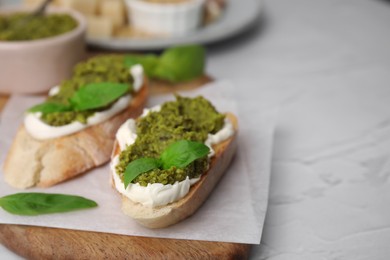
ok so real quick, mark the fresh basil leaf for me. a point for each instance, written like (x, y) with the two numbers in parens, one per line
(139, 166)
(97, 95)
(182, 153)
(181, 63)
(50, 107)
(148, 62)
(32, 204)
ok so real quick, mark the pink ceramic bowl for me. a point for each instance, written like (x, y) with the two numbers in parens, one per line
(36, 66)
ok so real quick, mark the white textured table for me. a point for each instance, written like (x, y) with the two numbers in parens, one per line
(326, 64)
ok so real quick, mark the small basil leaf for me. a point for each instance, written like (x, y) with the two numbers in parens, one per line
(139, 166)
(32, 204)
(97, 95)
(181, 63)
(148, 62)
(50, 107)
(182, 153)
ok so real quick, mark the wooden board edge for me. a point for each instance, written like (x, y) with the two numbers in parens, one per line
(157, 87)
(33, 242)
(3, 101)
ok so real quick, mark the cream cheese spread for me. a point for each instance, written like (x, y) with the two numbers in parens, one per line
(40, 130)
(54, 90)
(157, 194)
(223, 134)
(137, 71)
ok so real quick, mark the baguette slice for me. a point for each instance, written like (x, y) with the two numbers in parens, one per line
(164, 216)
(44, 163)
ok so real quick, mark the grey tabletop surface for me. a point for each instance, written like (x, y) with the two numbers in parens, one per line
(325, 64)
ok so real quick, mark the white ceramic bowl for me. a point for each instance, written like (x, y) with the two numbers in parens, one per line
(37, 65)
(169, 19)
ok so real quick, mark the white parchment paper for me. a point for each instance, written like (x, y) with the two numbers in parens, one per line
(234, 212)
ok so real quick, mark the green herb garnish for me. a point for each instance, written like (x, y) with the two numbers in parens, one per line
(32, 204)
(179, 155)
(181, 63)
(177, 64)
(50, 107)
(182, 153)
(91, 96)
(96, 95)
(139, 166)
(148, 62)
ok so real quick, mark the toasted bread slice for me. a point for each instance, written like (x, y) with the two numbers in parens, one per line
(163, 216)
(44, 163)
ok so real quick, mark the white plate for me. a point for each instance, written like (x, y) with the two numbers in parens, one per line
(238, 16)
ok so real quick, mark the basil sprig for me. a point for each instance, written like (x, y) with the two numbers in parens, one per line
(179, 154)
(49, 107)
(148, 62)
(97, 95)
(91, 96)
(32, 204)
(177, 64)
(139, 166)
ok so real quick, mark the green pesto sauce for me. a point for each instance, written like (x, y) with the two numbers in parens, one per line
(107, 68)
(14, 28)
(185, 118)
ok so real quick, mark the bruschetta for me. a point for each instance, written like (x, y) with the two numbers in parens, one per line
(69, 133)
(158, 202)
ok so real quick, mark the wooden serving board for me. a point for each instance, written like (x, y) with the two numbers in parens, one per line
(51, 243)
(34, 242)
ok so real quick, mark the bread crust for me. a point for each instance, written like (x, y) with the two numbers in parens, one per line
(164, 216)
(31, 162)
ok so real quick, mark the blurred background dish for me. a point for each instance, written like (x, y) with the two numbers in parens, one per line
(165, 17)
(111, 26)
(36, 65)
(141, 18)
(237, 16)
